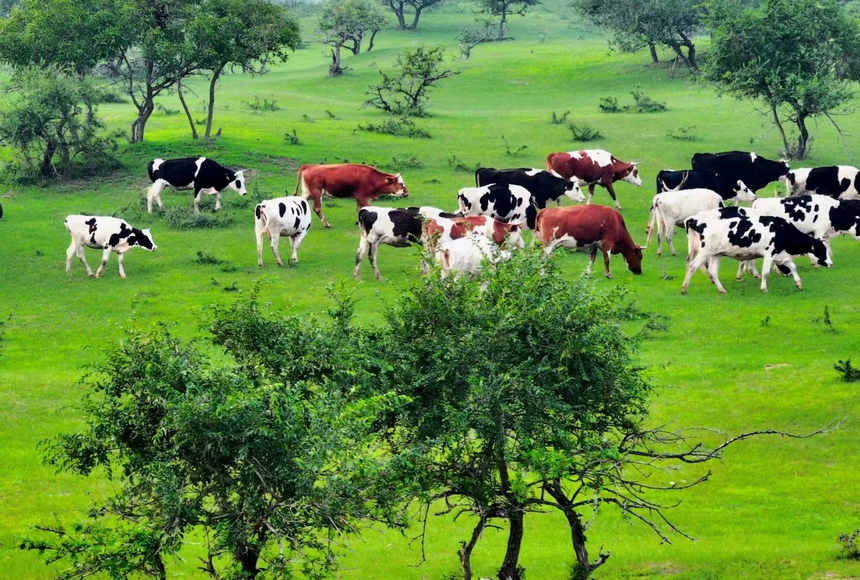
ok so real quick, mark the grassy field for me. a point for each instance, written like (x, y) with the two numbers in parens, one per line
(744, 361)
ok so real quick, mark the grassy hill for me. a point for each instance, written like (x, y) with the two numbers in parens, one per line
(744, 361)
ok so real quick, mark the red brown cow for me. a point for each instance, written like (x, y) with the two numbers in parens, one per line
(589, 226)
(593, 167)
(363, 182)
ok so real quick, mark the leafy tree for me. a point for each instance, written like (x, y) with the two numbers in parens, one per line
(501, 9)
(270, 467)
(401, 7)
(7, 5)
(799, 58)
(524, 395)
(405, 93)
(637, 24)
(51, 121)
(344, 24)
(248, 33)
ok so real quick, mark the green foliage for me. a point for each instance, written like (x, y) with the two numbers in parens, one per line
(398, 165)
(512, 152)
(292, 138)
(405, 93)
(264, 106)
(583, 132)
(560, 119)
(773, 53)
(344, 24)
(51, 122)
(850, 550)
(458, 164)
(402, 127)
(501, 9)
(609, 105)
(182, 218)
(850, 374)
(642, 104)
(683, 134)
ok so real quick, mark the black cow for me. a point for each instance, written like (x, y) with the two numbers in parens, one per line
(756, 172)
(836, 181)
(543, 185)
(198, 173)
(669, 180)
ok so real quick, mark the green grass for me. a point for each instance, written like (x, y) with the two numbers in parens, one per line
(773, 509)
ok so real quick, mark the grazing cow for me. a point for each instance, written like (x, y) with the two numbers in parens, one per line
(500, 201)
(669, 180)
(672, 208)
(362, 182)
(104, 233)
(754, 171)
(589, 226)
(198, 173)
(465, 255)
(543, 185)
(288, 216)
(836, 181)
(397, 227)
(593, 167)
(745, 234)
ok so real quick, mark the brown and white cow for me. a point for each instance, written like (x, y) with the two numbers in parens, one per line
(363, 182)
(440, 230)
(593, 167)
(595, 227)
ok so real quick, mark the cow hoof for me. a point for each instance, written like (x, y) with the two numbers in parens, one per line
(293, 262)
(609, 276)
(723, 291)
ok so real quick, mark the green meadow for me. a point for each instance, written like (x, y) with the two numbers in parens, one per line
(773, 509)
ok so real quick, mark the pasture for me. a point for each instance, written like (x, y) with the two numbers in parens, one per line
(733, 363)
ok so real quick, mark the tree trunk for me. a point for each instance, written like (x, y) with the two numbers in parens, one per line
(187, 112)
(415, 19)
(247, 556)
(48, 159)
(398, 8)
(504, 19)
(510, 569)
(465, 551)
(372, 38)
(802, 138)
(138, 128)
(653, 49)
(778, 124)
(691, 56)
(210, 113)
(334, 68)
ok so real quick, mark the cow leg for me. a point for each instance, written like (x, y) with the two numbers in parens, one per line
(260, 232)
(606, 271)
(295, 242)
(318, 209)
(611, 191)
(590, 193)
(154, 193)
(714, 273)
(592, 255)
(374, 249)
(197, 194)
(217, 200)
(276, 238)
(119, 256)
(692, 266)
(360, 253)
(766, 265)
(76, 250)
(105, 256)
(670, 235)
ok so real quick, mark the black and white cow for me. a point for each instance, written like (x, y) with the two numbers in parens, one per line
(836, 181)
(670, 180)
(288, 216)
(104, 233)
(543, 185)
(745, 234)
(393, 226)
(500, 201)
(755, 171)
(198, 173)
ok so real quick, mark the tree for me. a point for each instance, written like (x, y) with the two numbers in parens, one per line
(502, 8)
(637, 24)
(406, 93)
(776, 54)
(399, 7)
(344, 23)
(51, 121)
(524, 395)
(248, 33)
(269, 468)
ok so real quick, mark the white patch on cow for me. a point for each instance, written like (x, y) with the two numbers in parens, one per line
(753, 157)
(599, 156)
(671, 209)
(294, 225)
(465, 255)
(743, 193)
(156, 163)
(532, 172)
(633, 176)
(199, 164)
(795, 180)
(850, 173)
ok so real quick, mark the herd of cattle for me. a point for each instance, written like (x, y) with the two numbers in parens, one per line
(488, 224)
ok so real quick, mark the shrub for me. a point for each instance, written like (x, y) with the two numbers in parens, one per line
(185, 219)
(583, 132)
(850, 374)
(683, 134)
(398, 165)
(609, 105)
(509, 152)
(292, 138)
(559, 120)
(265, 105)
(402, 127)
(457, 165)
(642, 104)
(850, 549)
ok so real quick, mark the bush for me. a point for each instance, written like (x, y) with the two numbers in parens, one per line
(850, 549)
(683, 134)
(642, 104)
(263, 106)
(559, 120)
(186, 219)
(609, 105)
(850, 374)
(402, 127)
(583, 132)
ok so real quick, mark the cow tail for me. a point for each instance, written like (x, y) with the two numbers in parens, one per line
(263, 218)
(299, 181)
(150, 171)
(693, 239)
(652, 221)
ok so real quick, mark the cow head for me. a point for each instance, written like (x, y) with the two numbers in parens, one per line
(574, 191)
(143, 239)
(238, 183)
(742, 192)
(394, 186)
(818, 254)
(632, 174)
(514, 237)
(634, 260)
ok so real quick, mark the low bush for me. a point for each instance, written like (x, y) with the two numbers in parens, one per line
(402, 127)
(583, 132)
